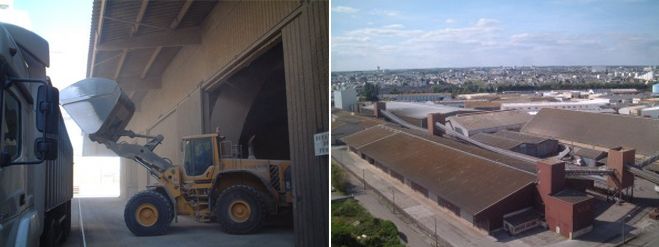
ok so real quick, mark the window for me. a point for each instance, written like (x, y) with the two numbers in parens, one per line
(198, 156)
(11, 124)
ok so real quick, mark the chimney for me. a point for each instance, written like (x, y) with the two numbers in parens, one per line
(617, 159)
(379, 106)
(433, 118)
(551, 177)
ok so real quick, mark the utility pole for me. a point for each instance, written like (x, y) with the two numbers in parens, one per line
(393, 201)
(364, 178)
(435, 219)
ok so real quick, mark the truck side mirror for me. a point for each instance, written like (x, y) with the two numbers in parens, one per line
(47, 122)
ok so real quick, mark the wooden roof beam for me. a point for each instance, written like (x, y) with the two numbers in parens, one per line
(181, 37)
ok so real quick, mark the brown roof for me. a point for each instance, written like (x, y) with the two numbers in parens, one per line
(572, 196)
(497, 141)
(521, 137)
(598, 129)
(493, 119)
(468, 180)
(367, 136)
(590, 153)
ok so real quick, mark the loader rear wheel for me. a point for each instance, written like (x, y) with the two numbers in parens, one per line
(240, 209)
(148, 213)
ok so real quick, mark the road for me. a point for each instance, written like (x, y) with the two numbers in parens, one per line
(103, 224)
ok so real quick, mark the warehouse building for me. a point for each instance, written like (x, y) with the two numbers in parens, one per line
(596, 130)
(488, 122)
(458, 177)
(246, 68)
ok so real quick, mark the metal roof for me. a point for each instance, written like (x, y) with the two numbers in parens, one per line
(133, 42)
(487, 120)
(456, 172)
(598, 129)
(421, 110)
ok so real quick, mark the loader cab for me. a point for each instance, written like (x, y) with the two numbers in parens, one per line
(199, 154)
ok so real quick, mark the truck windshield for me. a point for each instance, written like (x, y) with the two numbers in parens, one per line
(198, 156)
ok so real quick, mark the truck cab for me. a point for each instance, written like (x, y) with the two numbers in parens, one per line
(34, 201)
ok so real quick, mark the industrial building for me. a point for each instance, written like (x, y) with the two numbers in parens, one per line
(489, 122)
(595, 105)
(596, 130)
(345, 99)
(417, 113)
(449, 173)
(466, 181)
(519, 142)
(251, 70)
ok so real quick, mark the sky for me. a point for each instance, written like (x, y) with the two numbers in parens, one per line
(396, 34)
(65, 24)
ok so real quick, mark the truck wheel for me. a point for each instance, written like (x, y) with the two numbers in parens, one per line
(148, 213)
(240, 209)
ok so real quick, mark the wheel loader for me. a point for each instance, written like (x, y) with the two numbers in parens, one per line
(214, 183)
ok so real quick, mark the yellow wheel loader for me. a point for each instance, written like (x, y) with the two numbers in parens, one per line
(213, 184)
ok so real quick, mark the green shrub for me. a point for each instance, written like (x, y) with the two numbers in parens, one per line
(339, 179)
(350, 222)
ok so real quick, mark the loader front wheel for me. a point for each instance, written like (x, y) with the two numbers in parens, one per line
(240, 209)
(148, 213)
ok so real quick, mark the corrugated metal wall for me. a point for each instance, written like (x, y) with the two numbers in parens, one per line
(59, 172)
(306, 58)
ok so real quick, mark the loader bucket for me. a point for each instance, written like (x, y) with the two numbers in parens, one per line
(98, 106)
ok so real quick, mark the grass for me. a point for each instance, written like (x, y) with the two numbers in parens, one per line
(352, 225)
(339, 179)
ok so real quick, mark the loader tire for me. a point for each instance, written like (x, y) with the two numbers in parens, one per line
(240, 209)
(148, 213)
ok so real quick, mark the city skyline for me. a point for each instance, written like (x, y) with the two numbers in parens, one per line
(391, 35)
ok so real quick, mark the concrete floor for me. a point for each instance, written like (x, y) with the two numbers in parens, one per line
(103, 225)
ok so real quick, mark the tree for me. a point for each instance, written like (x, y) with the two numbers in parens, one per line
(370, 92)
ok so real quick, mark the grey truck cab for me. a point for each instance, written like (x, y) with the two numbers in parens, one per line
(36, 157)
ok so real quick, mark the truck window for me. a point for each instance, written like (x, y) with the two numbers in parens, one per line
(11, 125)
(198, 156)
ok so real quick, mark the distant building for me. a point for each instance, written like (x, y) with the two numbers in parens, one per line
(594, 105)
(345, 99)
(416, 97)
(632, 110)
(655, 89)
(651, 112)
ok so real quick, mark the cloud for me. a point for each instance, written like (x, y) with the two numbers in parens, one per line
(386, 13)
(345, 10)
(449, 21)
(393, 26)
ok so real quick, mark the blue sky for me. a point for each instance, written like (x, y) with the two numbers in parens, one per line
(425, 34)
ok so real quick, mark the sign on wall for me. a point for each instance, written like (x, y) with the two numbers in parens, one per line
(321, 143)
